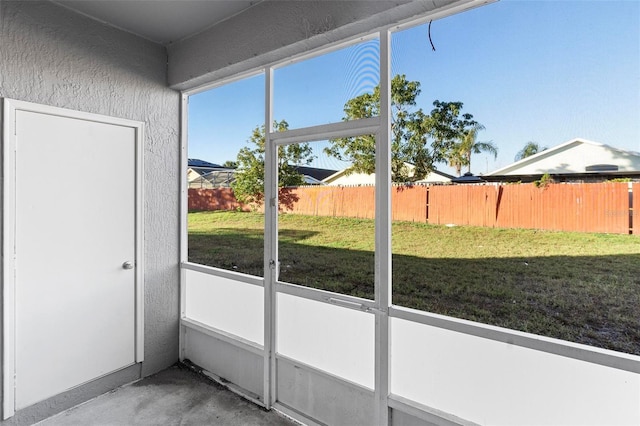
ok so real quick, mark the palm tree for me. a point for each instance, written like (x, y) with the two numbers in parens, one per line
(460, 155)
(529, 149)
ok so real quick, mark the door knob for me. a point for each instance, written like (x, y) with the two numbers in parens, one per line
(127, 265)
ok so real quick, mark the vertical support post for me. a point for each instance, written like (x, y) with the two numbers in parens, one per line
(8, 183)
(270, 243)
(184, 208)
(383, 236)
(631, 209)
(139, 243)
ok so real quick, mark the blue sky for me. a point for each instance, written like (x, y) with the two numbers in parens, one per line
(543, 71)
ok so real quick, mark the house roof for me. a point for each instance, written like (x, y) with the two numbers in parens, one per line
(574, 156)
(344, 172)
(314, 172)
(443, 174)
(222, 176)
(467, 178)
(194, 162)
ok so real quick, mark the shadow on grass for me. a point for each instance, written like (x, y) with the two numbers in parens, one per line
(235, 250)
(594, 300)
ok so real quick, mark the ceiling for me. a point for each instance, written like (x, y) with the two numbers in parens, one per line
(161, 21)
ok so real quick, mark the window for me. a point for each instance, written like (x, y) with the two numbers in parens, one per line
(225, 130)
(326, 230)
(314, 91)
(546, 254)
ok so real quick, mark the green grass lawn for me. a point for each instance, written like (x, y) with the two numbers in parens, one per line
(575, 286)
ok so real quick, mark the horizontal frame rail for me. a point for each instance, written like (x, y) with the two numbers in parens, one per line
(343, 129)
(234, 388)
(323, 373)
(294, 414)
(224, 336)
(342, 300)
(223, 273)
(604, 357)
(425, 413)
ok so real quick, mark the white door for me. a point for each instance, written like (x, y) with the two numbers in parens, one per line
(76, 254)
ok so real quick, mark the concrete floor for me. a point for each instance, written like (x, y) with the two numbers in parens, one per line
(176, 396)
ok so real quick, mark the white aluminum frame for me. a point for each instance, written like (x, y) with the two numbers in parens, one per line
(10, 108)
(383, 236)
(381, 127)
(184, 211)
(322, 132)
(270, 244)
(577, 351)
(381, 306)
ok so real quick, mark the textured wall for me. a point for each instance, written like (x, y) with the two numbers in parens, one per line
(53, 56)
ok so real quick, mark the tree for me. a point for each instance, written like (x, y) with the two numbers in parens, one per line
(454, 133)
(416, 138)
(460, 154)
(248, 186)
(529, 149)
(230, 164)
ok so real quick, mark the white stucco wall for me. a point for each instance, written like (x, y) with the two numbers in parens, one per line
(53, 56)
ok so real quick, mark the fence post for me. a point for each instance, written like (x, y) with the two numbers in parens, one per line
(426, 218)
(631, 209)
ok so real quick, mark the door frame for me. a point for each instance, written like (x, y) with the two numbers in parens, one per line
(10, 109)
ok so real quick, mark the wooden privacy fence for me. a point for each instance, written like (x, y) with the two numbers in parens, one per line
(588, 207)
(584, 207)
(337, 201)
(214, 199)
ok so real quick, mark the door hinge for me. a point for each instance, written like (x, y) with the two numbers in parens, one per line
(273, 202)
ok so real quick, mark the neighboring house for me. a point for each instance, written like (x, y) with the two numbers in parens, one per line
(197, 168)
(194, 162)
(577, 159)
(203, 174)
(436, 176)
(192, 175)
(222, 178)
(314, 175)
(344, 178)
